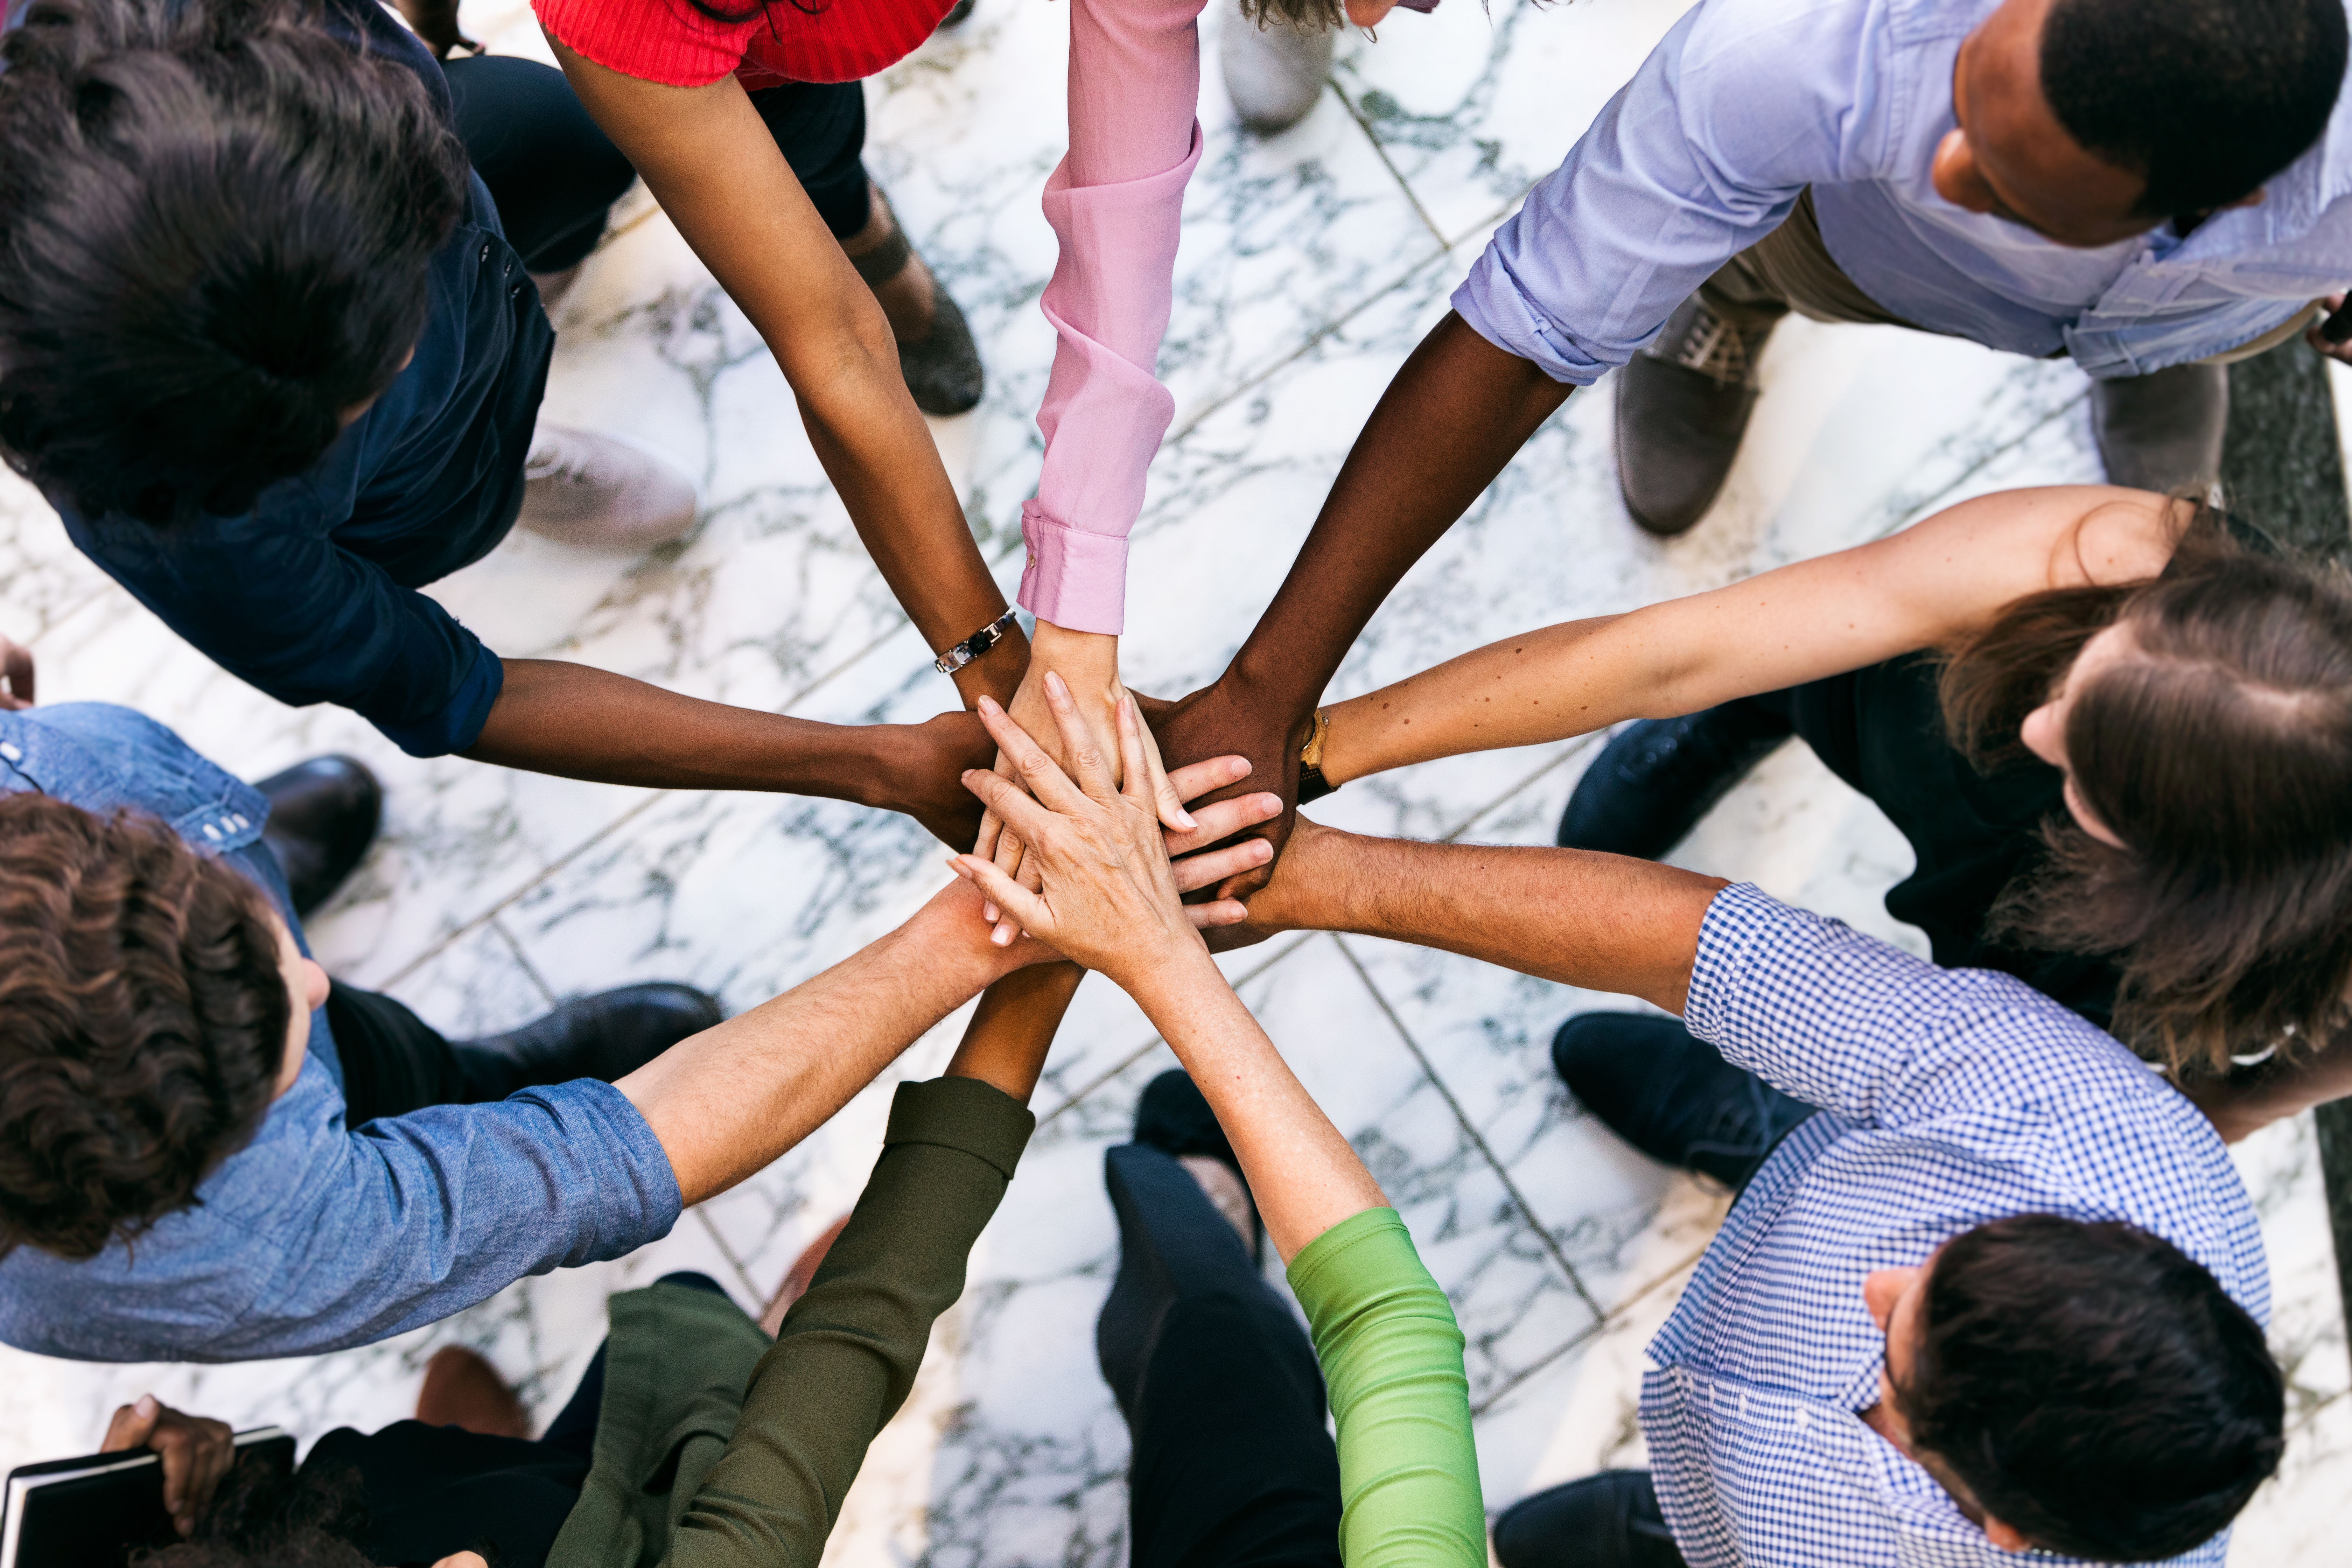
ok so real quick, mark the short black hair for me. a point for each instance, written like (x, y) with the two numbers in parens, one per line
(2093, 1386)
(2204, 99)
(216, 221)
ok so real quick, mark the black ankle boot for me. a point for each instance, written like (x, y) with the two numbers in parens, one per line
(608, 1036)
(1174, 1118)
(323, 814)
(1683, 404)
(1656, 777)
(1672, 1095)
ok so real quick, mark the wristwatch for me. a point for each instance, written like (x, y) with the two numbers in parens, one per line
(1312, 784)
(979, 643)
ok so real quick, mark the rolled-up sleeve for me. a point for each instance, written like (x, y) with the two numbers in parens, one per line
(1740, 107)
(408, 1219)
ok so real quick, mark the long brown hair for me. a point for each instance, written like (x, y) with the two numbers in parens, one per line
(2222, 756)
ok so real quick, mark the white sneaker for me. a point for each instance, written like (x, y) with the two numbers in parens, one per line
(600, 492)
(1273, 75)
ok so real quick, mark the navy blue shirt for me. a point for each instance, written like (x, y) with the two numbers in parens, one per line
(311, 595)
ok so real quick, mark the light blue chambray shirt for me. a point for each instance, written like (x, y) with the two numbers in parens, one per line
(316, 1236)
(1747, 102)
(1948, 1098)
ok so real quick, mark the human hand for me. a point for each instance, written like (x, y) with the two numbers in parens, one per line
(16, 676)
(1227, 718)
(435, 22)
(1087, 664)
(197, 1451)
(1107, 892)
(2332, 333)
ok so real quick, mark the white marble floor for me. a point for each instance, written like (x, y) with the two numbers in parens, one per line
(1310, 264)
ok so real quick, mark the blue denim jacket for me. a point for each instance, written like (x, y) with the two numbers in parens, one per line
(315, 1236)
(1745, 103)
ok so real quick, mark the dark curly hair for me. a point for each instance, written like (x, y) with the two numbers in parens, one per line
(143, 1019)
(2222, 757)
(261, 1518)
(216, 221)
(2093, 1386)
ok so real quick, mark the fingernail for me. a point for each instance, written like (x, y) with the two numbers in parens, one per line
(1263, 851)
(145, 1404)
(1000, 937)
(1054, 684)
(1184, 819)
(988, 705)
(988, 911)
(1239, 767)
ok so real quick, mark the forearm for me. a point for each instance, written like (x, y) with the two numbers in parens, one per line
(731, 1101)
(1602, 923)
(580, 723)
(1458, 411)
(1012, 1028)
(1304, 1175)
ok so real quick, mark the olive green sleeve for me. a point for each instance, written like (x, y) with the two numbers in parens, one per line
(848, 1350)
(1392, 1356)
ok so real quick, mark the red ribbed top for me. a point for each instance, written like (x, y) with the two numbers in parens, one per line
(669, 41)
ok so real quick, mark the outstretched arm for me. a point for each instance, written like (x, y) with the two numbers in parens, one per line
(710, 161)
(1458, 411)
(1604, 922)
(1928, 585)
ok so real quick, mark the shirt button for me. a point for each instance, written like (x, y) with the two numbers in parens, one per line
(515, 292)
(486, 253)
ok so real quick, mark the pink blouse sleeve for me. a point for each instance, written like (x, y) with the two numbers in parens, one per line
(1135, 83)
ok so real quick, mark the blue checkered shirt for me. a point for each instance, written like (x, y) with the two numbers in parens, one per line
(1948, 1098)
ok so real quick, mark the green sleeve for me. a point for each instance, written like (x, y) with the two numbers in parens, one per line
(1391, 1357)
(847, 1354)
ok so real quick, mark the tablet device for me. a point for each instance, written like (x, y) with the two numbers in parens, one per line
(94, 1511)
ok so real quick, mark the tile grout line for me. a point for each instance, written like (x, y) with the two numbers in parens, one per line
(530, 971)
(1144, 1049)
(710, 1228)
(1381, 152)
(1590, 1332)
(1518, 1199)
(628, 815)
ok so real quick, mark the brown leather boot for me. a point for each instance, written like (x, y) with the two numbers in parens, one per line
(462, 1389)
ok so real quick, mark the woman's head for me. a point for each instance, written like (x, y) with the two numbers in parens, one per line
(2203, 721)
(215, 222)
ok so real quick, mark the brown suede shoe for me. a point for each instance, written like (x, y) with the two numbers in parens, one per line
(462, 1389)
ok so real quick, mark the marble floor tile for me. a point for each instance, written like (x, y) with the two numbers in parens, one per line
(1311, 264)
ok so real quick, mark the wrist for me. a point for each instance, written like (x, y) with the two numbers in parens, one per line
(1083, 660)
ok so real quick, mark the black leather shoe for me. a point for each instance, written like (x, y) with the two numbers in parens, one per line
(1656, 777)
(1682, 406)
(2162, 431)
(1672, 1095)
(1607, 1521)
(607, 1036)
(1174, 1118)
(943, 367)
(323, 814)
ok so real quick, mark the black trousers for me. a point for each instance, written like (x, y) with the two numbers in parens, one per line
(555, 176)
(1233, 1467)
(394, 1062)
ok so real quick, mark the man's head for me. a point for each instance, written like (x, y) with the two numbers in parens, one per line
(152, 1004)
(2093, 121)
(214, 225)
(2085, 1389)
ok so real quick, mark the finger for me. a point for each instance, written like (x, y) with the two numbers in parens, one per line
(1248, 882)
(1043, 777)
(1196, 779)
(1023, 905)
(1166, 804)
(1214, 866)
(16, 665)
(1023, 817)
(1223, 912)
(214, 1456)
(1082, 749)
(173, 1442)
(1224, 820)
(132, 1425)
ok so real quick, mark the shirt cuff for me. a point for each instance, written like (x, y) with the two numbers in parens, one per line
(460, 723)
(1736, 921)
(1492, 304)
(1073, 578)
(963, 1114)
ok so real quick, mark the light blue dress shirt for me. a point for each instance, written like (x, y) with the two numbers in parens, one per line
(316, 1236)
(1948, 1098)
(1747, 102)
